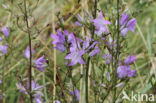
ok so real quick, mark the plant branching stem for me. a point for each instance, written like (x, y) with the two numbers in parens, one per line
(87, 69)
(30, 59)
(117, 53)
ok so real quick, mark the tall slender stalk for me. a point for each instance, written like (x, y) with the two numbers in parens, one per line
(82, 79)
(3, 71)
(30, 59)
(54, 58)
(87, 69)
(88, 61)
(117, 53)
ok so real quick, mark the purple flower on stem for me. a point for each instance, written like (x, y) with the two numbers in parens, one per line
(86, 43)
(75, 93)
(5, 31)
(1, 38)
(75, 57)
(127, 25)
(100, 25)
(108, 58)
(0, 96)
(125, 71)
(95, 51)
(78, 23)
(40, 63)
(0, 82)
(27, 52)
(130, 59)
(36, 90)
(57, 101)
(3, 49)
(59, 41)
(75, 50)
(21, 88)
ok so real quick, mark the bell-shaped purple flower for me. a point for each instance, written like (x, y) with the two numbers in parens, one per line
(108, 58)
(40, 63)
(130, 59)
(76, 57)
(57, 101)
(126, 25)
(131, 25)
(5, 31)
(75, 93)
(27, 52)
(3, 49)
(124, 19)
(125, 71)
(1, 39)
(21, 88)
(59, 41)
(100, 25)
(95, 51)
(36, 90)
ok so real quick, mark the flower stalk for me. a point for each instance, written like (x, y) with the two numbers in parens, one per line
(117, 53)
(30, 48)
(54, 58)
(88, 61)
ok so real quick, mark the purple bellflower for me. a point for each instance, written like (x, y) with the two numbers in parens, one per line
(95, 51)
(127, 25)
(40, 63)
(36, 90)
(75, 93)
(1, 38)
(87, 46)
(3, 49)
(75, 57)
(75, 50)
(5, 31)
(100, 25)
(59, 41)
(27, 52)
(130, 59)
(108, 58)
(57, 101)
(125, 71)
(88, 18)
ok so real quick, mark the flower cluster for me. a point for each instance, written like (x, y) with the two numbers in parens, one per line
(127, 25)
(4, 48)
(36, 90)
(124, 69)
(27, 52)
(100, 25)
(75, 46)
(40, 63)
(75, 94)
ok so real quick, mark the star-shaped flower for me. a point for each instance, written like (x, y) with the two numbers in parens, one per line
(40, 63)
(100, 25)
(59, 41)
(5, 31)
(127, 25)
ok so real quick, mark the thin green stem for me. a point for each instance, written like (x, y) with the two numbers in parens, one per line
(45, 90)
(87, 69)
(88, 60)
(30, 59)
(117, 53)
(3, 71)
